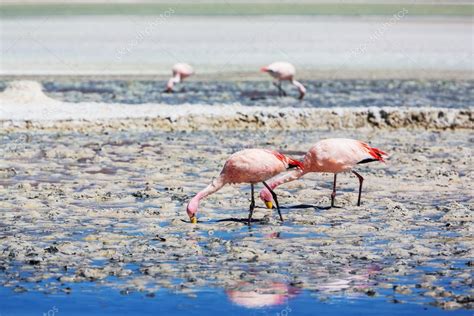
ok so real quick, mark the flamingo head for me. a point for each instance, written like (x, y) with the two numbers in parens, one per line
(267, 198)
(169, 86)
(191, 209)
(302, 93)
(301, 89)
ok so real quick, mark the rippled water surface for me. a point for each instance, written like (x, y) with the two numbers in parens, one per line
(324, 93)
(95, 222)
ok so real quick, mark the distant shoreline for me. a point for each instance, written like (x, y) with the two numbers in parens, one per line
(234, 48)
(234, 9)
(306, 74)
(24, 105)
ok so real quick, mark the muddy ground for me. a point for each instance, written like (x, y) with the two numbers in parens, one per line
(109, 207)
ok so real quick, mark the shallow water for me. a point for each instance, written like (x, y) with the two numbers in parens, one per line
(101, 216)
(93, 300)
(321, 93)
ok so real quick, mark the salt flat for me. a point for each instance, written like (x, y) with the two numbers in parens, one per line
(319, 46)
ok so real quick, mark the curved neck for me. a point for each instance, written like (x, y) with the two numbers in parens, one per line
(174, 80)
(287, 177)
(299, 85)
(215, 186)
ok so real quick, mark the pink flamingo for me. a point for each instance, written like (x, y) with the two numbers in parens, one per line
(246, 166)
(333, 155)
(283, 71)
(180, 71)
(275, 293)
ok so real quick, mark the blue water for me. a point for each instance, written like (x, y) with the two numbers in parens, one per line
(320, 93)
(96, 298)
(90, 299)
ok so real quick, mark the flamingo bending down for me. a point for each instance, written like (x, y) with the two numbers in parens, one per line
(333, 155)
(180, 71)
(246, 166)
(283, 71)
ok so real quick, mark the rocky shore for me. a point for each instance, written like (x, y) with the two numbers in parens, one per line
(25, 106)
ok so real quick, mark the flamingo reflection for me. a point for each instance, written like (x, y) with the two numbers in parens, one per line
(271, 294)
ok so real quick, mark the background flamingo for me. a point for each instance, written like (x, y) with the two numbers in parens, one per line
(246, 166)
(180, 71)
(333, 155)
(283, 71)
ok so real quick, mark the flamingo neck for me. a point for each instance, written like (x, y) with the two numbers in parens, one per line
(288, 177)
(174, 80)
(215, 186)
(300, 87)
(265, 194)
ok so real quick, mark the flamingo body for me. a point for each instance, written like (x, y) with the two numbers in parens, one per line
(333, 155)
(246, 166)
(180, 71)
(284, 71)
(183, 69)
(337, 155)
(280, 70)
(253, 166)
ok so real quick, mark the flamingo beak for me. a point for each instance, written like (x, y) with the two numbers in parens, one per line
(269, 204)
(264, 69)
(193, 219)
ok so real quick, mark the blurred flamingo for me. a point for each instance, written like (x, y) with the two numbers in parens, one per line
(276, 293)
(180, 71)
(246, 166)
(283, 71)
(333, 155)
(350, 281)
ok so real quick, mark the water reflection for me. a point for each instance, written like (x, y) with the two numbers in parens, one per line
(264, 295)
(346, 281)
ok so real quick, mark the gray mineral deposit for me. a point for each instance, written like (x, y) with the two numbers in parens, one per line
(101, 206)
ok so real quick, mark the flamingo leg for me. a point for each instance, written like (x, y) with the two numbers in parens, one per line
(333, 194)
(252, 205)
(361, 179)
(274, 196)
(281, 92)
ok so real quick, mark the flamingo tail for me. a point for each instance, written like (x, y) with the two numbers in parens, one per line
(293, 163)
(377, 154)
